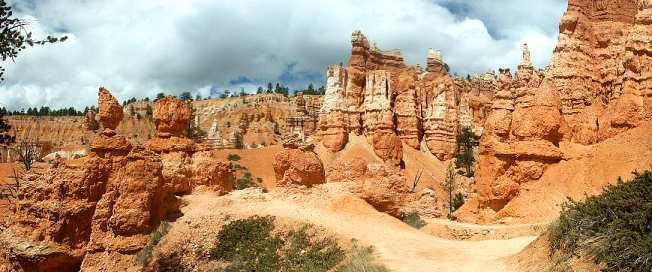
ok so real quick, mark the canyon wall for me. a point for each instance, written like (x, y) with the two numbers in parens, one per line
(392, 103)
(598, 85)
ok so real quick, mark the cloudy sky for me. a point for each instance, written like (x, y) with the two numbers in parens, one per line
(142, 47)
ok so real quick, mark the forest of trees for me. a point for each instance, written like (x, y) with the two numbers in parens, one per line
(186, 96)
(45, 111)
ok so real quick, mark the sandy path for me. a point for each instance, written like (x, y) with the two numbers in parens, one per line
(398, 246)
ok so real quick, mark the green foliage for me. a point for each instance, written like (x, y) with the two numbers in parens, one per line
(185, 96)
(466, 141)
(250, 245)
(194, 132)
(149, 111)
(450, 186)
(46, 111)
(145, 254)
(238, 141)
(458, 201)
(304, 252)
(413, 219)
(14, 36)
(361, 259)
(159, 96)
(615, 227)
(233, 157)
(245, 181)
(5, 138)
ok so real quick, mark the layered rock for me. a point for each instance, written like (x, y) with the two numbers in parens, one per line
(599, 69)
(520, 139)
(95, 213)
(395, 104)
(333, 122)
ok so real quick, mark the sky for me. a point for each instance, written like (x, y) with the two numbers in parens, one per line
(138, 48)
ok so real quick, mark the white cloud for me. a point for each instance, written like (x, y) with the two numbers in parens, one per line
(139, 48)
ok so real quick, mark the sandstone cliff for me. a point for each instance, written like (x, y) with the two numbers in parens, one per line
(392, 104)
(95, 213)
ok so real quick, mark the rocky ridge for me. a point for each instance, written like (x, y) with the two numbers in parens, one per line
(95, 213)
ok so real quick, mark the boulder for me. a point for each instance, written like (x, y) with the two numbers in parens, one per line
(110, 110)
(298, 167)
(172, 116)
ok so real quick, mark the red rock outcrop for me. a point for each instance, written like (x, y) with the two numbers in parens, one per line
(297, 164)
(172, 116)
(599, 68)
(394, 104)
(110, 110)
(95, 213)
(89, 121)
(596, 87)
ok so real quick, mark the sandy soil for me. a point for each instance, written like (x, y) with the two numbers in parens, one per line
(258, 161)
(398, 246)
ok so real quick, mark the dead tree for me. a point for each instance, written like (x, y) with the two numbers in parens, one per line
(416, 181)
(28, 152)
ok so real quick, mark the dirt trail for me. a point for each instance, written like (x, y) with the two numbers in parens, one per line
(398, 246)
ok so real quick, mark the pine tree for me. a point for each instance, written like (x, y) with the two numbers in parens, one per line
(466, 141)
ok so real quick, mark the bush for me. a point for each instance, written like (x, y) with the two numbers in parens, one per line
(244, 182)
(413, 219)
(144, 255)
(250, 245)
(361, 259)
(233, 157)
(458, 201)
(615, 227)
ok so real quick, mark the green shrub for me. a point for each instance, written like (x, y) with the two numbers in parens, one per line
(245, 182)
(144, 255)
(413, 219)
(304, 252)
(458, 201)
(361, 259)
(615, 227)
(233, 157)
(250, 245)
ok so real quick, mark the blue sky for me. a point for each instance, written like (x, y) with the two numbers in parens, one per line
(140, 48)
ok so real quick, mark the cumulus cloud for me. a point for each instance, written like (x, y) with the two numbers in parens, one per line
(139, 48)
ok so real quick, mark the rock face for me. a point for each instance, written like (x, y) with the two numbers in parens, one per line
(172, 116)
(95, 213)
(597, 86)
(601, 68)
(394, 104)
(110, 110)
(89, 121)
(298, 165)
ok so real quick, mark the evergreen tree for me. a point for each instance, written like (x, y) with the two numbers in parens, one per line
(185, 96)
(5, 138)
(159, 96)
(269, 87)
(14, 36)
(466, 141)
(260, 90)
(450, 186)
